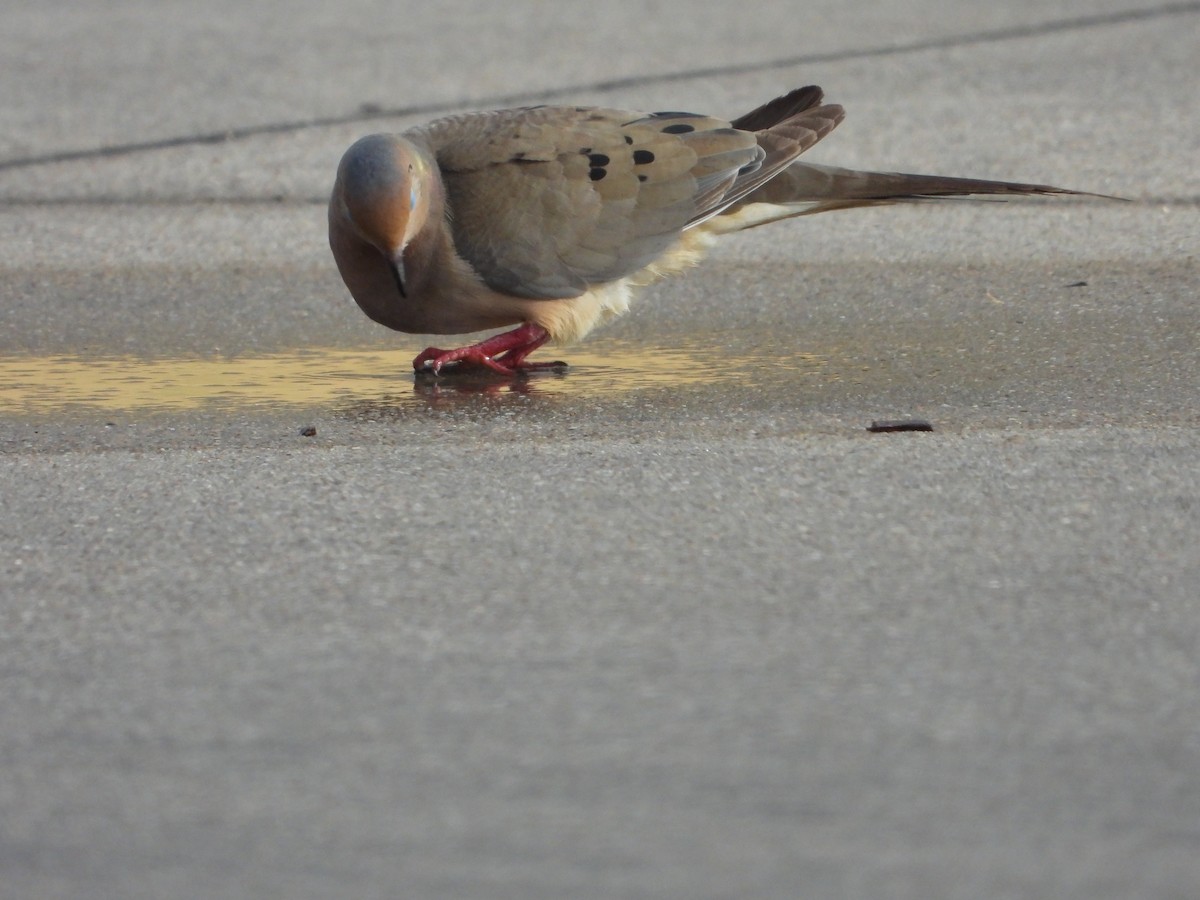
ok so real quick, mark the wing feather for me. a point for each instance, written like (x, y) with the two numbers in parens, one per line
(546, 201)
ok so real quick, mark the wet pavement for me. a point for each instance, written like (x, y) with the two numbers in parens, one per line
(282, 619)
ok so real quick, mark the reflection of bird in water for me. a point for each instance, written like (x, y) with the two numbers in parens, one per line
(479, 382)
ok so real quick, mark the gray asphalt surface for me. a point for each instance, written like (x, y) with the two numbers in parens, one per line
(673, 624)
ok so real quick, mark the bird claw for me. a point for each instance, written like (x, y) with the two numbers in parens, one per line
(433, 361)
(436, 366)
(503, 354)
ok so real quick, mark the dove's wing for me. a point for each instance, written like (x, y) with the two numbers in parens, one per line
(548, 200)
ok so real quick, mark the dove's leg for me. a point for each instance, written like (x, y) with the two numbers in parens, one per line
(504, 353)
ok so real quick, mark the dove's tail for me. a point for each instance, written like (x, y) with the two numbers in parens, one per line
(789, 125)
(803, 189)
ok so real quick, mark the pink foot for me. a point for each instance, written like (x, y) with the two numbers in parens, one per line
(503, 353)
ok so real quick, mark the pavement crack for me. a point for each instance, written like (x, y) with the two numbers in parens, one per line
(369, 111)
(281, 201)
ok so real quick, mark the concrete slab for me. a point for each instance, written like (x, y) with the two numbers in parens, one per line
(672, 624)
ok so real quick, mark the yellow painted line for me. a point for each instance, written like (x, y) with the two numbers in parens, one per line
(45, 385)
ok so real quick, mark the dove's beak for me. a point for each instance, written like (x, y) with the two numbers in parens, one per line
(397, 267)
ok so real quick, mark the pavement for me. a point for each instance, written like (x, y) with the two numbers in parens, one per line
(281, 620)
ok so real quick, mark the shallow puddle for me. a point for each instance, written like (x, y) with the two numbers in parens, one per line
(53, 385)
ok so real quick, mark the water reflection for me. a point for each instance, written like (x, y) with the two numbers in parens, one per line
(351, 379)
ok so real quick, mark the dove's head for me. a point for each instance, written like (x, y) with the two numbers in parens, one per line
(383, 191)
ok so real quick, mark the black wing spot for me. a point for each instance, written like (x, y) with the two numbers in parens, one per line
(642, 157)
(628, 139)
(642, 177)
(598, 159)
(596, 174)
(681, 128)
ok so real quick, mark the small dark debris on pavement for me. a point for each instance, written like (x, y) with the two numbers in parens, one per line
(308, 431)
(887, 426)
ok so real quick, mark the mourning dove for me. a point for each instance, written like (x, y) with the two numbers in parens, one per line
(548, 217)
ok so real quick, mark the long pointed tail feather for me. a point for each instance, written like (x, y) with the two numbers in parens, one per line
(807, 181)
(806, 188)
